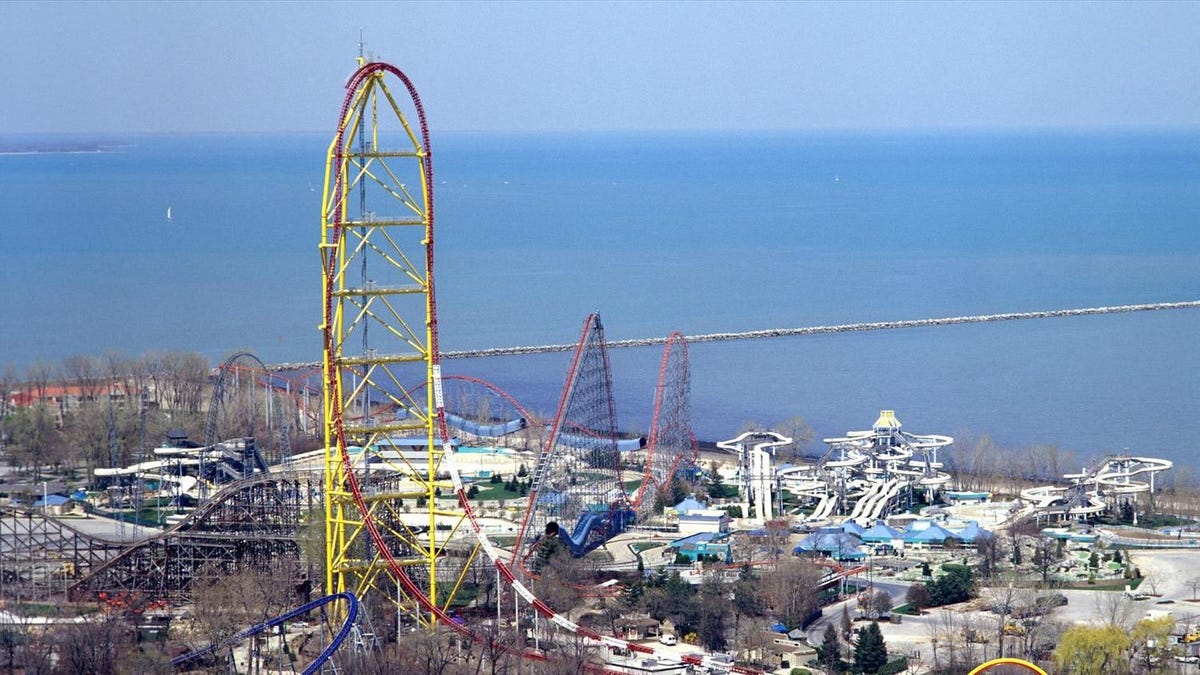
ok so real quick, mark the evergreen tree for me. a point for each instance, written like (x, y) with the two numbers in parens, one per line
(830, 651)
(870, 652)
(957, 584)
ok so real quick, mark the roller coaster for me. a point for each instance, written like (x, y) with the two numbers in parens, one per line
(286, 656)
(387, 416)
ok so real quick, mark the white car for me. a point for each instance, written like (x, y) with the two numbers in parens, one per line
(668, 639)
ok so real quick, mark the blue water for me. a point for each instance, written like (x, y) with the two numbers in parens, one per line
(690, 232)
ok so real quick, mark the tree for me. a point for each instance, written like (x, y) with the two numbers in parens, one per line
(870, 651)
(244, 598)
(429, 651)
(8, 383)
(801, 432)
(497, 653)
(575, 655)
(991, 550)
(829, 653)
(791, 590)
(713, 619)
(1194, 584)
(34, 439)
(777, 536)
(881, 603)
(1045, 556)
(1148, 640)
(93, 647)
(917, 597)
(1003, 601)
(956, 584)
(1089, 650)
(747, 597)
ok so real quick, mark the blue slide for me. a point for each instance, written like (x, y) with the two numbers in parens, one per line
(595, 527)
(486, 430)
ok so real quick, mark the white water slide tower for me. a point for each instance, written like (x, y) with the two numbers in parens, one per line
(756, 470)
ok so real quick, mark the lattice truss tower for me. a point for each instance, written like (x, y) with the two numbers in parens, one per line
(672, 444)
(383, 435)
(578, 470)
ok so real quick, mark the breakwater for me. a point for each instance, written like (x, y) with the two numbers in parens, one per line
(840, 328)
(810, 330)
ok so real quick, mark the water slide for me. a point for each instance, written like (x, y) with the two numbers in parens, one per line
(887, 494)
(266, 626)
(494, 430)
(864, 502)
(872, 505)
(589, 441)
(607, 523)
(1113, 475)
(824, 508)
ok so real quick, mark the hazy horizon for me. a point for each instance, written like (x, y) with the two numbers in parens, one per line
(242, 67)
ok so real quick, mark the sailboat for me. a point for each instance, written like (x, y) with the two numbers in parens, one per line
(169, 218)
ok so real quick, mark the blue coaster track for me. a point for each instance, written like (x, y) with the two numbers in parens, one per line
(325, 655)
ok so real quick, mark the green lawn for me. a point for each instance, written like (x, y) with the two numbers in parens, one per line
(646, 545)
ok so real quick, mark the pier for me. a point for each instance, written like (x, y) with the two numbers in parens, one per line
(840, 328)
(809, 330)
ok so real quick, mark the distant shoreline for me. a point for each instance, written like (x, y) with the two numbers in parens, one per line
(56, 149)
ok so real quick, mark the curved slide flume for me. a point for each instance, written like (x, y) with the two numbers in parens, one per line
(889, 492)
(322, 658)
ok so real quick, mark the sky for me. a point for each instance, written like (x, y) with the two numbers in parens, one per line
(178, 67)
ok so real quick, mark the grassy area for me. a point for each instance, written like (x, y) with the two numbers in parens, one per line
(48, 609)
(494, 492)
(1104, 584)
(646, 545)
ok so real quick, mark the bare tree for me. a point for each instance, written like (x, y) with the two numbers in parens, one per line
(954, 643)
(1151, 580)
(1018, 532)
(991, 550)
(497, 652)
(1115, 609)
(1045, 556)
(430, 651)
(94, 646)
(777, 538)
(560, 578)
(791, 589)
(82, 371)
(33, 437)
(801, 432)
(8, 386)
(1002, 598)
(38, 376)
(242, 599)
(572, 653)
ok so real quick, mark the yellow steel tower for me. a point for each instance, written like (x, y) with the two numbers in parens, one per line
(385, 531)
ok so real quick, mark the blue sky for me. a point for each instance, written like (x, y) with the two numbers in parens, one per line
(124, 67)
